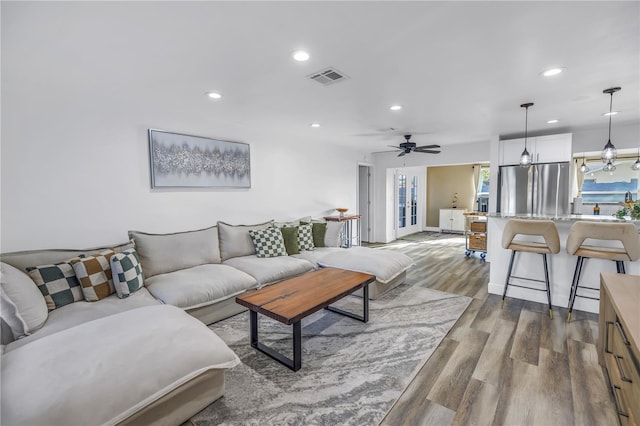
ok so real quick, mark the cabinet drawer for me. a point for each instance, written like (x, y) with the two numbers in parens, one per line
(478, 241)
(477, 226)
(622, 364)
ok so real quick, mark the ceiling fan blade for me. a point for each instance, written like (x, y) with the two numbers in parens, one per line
(393, 146)
(427, 151)
(428, 146)
(401, 154)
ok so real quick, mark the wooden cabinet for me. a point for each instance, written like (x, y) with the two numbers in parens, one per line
(452, 220)
(543, 149)
(619, 329)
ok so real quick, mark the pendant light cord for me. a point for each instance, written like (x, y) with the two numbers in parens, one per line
(526, 122)
(610, 109)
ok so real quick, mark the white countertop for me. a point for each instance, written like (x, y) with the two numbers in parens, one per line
(564, 218)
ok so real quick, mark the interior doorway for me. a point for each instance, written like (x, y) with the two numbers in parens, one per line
(364, 201)
(409, 200)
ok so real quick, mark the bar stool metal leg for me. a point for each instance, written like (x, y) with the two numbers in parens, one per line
(506, 282)
(574, 284)
(546, 281)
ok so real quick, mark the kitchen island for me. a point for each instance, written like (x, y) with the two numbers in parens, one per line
(561, 265)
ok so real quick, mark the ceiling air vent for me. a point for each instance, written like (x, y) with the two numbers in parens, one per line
(327, 76)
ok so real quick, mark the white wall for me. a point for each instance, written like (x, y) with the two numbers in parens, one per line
(75, 166)
(387, 162)
(88, 186)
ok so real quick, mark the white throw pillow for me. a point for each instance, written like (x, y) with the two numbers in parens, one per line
(26, 309)
(332, 236)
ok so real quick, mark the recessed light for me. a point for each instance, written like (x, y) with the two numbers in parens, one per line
(214, 95)
(553, 71)
(554, 121)
(315, 124)
(606, 114)
(395, 107)
(300, 55)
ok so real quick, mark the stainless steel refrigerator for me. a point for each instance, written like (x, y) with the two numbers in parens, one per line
(541, 189)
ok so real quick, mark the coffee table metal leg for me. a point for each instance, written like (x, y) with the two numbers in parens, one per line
(296, 363)
(297, 346)
(365, 305)
(254, 328)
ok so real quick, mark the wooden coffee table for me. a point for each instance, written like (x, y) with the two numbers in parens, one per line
(291, 300)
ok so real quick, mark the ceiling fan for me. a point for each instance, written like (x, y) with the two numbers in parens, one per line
(407, 147)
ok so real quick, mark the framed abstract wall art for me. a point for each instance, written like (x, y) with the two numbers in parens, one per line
(184, 161)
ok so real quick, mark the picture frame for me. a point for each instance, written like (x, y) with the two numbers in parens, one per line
(186, 161)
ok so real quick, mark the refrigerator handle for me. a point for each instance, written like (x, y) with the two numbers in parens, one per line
(532, 190)
(557, 189)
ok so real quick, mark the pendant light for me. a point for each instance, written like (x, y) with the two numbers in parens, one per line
(525, 158)
(609, 153)
(636, 165)
(584, 168)
(609, 167)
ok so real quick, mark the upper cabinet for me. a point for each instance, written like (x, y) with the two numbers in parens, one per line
(543, 149)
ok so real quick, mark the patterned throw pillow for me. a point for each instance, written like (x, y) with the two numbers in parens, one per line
(58, 284)
(305, 237)
(268, 242)
(94, 274)
(127, 273)
(290, 236)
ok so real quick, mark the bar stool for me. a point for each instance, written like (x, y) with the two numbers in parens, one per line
(545, 229)
(626, 233)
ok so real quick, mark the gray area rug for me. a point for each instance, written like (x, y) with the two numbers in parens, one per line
(351, 372)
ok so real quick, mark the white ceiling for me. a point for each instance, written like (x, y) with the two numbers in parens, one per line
(461, 69)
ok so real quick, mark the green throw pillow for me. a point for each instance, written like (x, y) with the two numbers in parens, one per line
(318, 230)
(290, 235)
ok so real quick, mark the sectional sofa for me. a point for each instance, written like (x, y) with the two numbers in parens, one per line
(143, 357)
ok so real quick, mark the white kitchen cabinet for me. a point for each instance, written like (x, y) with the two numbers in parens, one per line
(452, 220)
(543, 149)
(511, 150)
(553, 148)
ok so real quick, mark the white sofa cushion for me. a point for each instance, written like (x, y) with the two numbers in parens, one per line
(317, 253)
(235, 240)
(384, 264)
(24, 299)
(199, 286)
(268, 270)
(103, 371)
(80, 312)
(162, 253)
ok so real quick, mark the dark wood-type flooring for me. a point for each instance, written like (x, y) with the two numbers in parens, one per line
(511, 366)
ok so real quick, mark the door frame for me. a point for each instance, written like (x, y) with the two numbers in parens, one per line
(366, 235)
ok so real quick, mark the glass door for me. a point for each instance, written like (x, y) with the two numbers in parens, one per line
(409, 199)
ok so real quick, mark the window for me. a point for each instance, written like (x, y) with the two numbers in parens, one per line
(604, 187)
(483, 189)
(483, 182)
